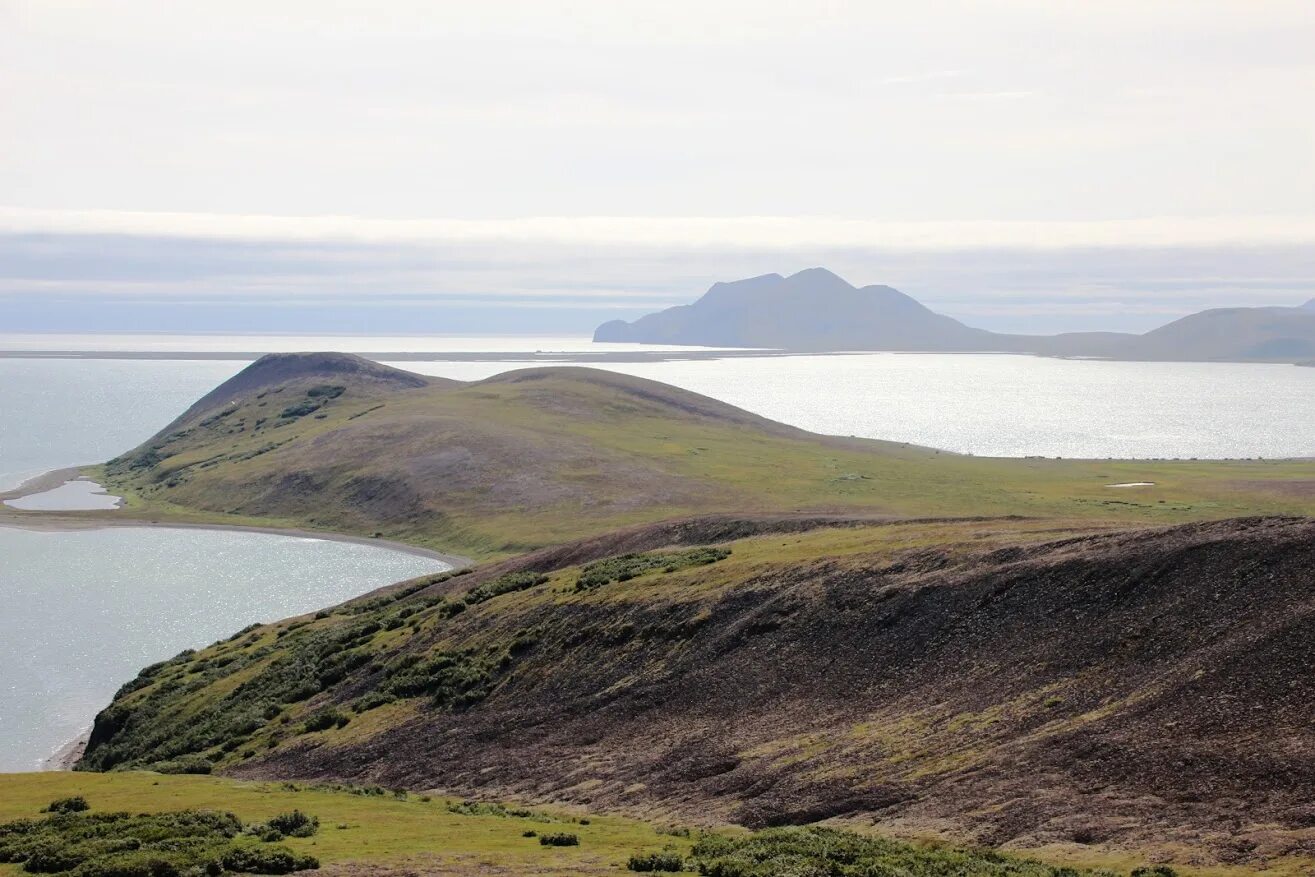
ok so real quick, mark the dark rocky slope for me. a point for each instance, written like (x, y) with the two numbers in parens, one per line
(1150, 688)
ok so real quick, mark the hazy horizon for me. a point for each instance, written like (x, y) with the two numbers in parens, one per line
(1020, 166)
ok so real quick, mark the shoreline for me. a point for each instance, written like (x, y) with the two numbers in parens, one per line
(695, 354)
(550, 357)
(73, 520)
(42, 483)
(65, 757)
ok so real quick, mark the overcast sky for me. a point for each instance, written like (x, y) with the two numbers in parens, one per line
(506, 166)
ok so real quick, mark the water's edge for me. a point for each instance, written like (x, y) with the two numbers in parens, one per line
(67, 754)
(66, 521)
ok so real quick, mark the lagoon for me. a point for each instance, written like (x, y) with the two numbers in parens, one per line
(85, 610)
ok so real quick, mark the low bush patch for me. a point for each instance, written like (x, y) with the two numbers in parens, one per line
(294, 824)
(629, 566)
(559, 840)
(178, 844)
(828, 851)
(506, 584)
(75, 804)
(324, 720)
(667, 860)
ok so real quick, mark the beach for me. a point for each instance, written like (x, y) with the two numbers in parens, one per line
(66, 756)
(65, 521)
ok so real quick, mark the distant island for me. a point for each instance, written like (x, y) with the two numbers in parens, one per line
(816, 310)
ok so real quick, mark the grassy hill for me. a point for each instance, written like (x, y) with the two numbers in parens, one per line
(1127, 693)
(542, 456)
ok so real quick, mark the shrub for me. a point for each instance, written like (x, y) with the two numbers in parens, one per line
(488, 808)
(530, 833)
(138, 863)
(667, 860)
(451, 678)
(295, 824)
(75, 804)
(301, 409)
(324, 720)
(187, 843)
(370, 701)
(559, 840)
(267, 860)
(826, 851)
(629, 566)
(191, 765)
(505, 584)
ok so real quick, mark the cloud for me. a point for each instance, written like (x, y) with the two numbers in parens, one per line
(916, 78)
(745, 232)
(326, 275)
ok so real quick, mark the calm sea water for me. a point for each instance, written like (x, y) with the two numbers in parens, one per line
(1006, 406)
(84, 611)
(66, 412)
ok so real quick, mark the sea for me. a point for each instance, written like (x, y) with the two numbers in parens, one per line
(80, 612)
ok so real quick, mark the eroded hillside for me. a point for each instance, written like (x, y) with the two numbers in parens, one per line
(1003, 682)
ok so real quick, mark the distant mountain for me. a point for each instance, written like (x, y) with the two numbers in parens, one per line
(817, 310)
(813, 309)
(1231, 334)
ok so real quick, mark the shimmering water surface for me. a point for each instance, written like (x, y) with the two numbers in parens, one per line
(79, 495)
(1007, 406)
(66, 412)
(84, 611)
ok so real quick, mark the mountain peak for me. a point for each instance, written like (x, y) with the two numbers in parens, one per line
(812, 309)
(282, 369)
(817, 274)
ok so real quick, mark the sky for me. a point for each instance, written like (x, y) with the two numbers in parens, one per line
(532, 166)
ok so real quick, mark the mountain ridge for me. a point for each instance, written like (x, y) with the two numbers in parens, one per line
(816, 310)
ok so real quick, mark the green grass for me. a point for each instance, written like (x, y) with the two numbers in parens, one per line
(354, 828)
(360, 828)
(588, 452)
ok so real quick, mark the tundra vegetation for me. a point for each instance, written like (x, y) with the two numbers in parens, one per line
(147, 825)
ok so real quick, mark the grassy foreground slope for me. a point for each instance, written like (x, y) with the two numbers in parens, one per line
(542, 456)
(1002, 682)
(368, 830)
(360, 833)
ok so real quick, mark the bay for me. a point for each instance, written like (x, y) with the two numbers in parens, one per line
(85, 610)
